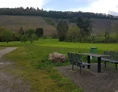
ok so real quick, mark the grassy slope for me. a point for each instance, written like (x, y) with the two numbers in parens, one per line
(15, 22)
(98, 25)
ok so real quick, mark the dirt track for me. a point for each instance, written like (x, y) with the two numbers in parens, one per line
(8, 82)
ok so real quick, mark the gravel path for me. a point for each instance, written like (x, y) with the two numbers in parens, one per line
(90, 80)
(8, 82)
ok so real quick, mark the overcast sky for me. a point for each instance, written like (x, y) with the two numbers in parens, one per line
(97, 6)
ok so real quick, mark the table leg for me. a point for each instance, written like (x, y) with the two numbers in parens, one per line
(88, 60)
(99, 64)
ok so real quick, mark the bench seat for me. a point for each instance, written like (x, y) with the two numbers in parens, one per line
(75, 59)
(110, 61)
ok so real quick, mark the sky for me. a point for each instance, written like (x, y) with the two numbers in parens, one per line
(96, 6)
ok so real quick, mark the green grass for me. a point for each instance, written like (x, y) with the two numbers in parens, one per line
(14, 44)
(31, 63)
(80, 46)
(41, 74)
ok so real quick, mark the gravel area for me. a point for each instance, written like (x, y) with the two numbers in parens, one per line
(90, 80)
(8, 82)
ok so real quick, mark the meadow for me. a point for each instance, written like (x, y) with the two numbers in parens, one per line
(32, 65)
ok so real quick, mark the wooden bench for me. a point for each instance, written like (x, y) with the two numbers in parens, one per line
(75, 60)
(112, 59)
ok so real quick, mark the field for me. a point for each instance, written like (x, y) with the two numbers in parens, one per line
(14, 23)
(31, 63)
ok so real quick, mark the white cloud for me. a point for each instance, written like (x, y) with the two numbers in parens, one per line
(103, 6)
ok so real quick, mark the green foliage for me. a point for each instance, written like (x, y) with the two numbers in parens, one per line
(29, 32)
(39, 32)
(117, 36)
(85, 26)
(30, 35)
(6, 35)
(73, 33)
(16, 37)
(34, 37)
(62, 29)
(21, 31)
(30, 11)
(106, 35)
(24, 38)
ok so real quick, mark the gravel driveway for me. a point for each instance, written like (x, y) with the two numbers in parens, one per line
(8, 82)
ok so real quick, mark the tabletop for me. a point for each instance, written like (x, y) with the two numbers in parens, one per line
(95, 55)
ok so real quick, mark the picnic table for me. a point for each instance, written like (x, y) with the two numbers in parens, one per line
(98, 56)
(112, 59)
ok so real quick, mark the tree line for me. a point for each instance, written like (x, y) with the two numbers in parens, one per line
(81, 32)
(54, 14)
(23, 36)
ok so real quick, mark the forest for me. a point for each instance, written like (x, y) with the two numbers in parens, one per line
(30, 11)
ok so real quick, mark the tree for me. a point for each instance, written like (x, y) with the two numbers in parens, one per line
(23, 38)
(73, 33)
(106, 35)
(39, 32)
(85, 26)
(7, 35)
(16, 37)
(29, 33)
(21, 31)
(62, 29)
(34, 37)
(115, 28)
(117, 36)
(1, 35)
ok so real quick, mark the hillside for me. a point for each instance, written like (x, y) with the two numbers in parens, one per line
(15, 22)
(100, 25)
(48, 24)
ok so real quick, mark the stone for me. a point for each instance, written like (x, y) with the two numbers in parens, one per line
(57, 57)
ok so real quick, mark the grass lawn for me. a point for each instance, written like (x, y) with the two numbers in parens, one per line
(31, 63)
